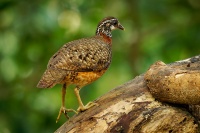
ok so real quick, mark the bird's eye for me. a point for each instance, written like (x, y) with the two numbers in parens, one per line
(115, 23)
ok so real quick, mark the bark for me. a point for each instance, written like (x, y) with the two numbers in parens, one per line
(175, 83)
(132, 107)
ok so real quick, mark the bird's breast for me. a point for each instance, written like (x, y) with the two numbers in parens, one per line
(83, 78)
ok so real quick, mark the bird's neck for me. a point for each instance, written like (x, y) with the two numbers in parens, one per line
(105, 33)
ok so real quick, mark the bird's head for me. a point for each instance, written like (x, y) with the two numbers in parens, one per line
(108, 24)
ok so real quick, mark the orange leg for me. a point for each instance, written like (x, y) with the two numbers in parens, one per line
(63, 109)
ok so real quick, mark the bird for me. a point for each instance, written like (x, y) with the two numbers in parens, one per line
(81, 62)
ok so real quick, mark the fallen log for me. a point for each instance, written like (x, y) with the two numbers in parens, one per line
(149, 103)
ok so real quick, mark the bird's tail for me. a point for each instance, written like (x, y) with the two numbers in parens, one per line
(47, 80)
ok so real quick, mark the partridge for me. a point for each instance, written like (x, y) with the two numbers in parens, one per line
(81, 62)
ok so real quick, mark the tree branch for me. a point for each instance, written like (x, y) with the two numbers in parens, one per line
(132, 108)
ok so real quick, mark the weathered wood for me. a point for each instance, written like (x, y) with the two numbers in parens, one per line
(130, 108)
(175, 83)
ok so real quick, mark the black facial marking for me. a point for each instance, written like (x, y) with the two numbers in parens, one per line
(114, 22)
(104, 27)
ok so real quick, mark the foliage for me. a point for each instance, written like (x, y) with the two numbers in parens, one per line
(31, 31)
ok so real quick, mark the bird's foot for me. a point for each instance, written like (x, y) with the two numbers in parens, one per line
(64, 110)
(87, 106)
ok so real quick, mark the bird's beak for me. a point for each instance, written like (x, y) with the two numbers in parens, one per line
(120, 27)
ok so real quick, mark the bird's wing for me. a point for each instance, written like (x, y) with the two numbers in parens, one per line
(88, 54)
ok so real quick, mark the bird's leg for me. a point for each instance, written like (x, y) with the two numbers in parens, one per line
(81, 106)
(63, 109)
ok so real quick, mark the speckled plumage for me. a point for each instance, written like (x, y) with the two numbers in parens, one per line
(81, 62)
(83, 55)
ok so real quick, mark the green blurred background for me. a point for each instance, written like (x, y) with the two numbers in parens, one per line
(32, 31)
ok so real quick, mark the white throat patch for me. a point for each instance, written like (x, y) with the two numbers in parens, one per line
(112, 27)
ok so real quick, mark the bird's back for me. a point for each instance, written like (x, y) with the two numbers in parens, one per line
(83, 59)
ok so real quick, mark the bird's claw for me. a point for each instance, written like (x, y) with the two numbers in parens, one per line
(64, 110)
(87, 106)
